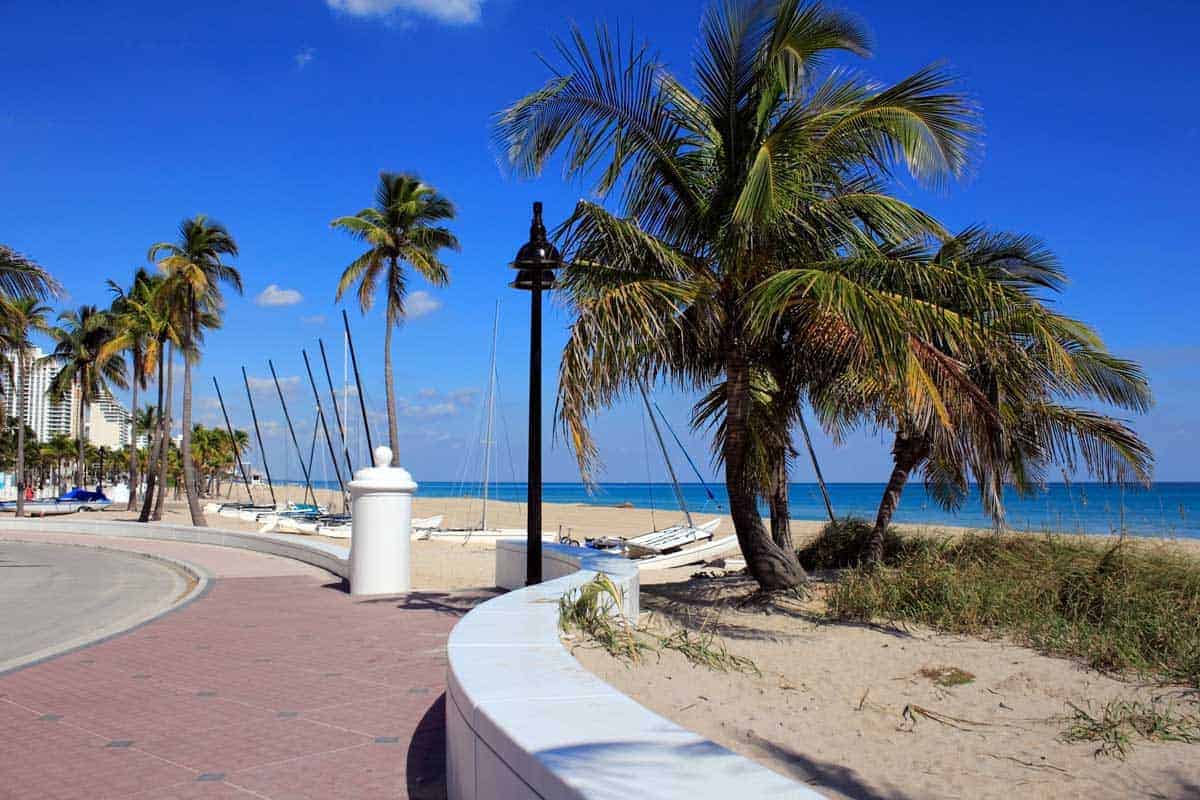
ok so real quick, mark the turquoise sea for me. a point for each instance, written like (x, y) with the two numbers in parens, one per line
(1166, 509)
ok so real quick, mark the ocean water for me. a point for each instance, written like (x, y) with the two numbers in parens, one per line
(1165, 509)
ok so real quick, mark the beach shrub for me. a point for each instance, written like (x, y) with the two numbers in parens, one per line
(840, 543)
(1120, 607)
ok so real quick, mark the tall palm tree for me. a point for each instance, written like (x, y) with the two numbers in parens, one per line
(80, 338)
(133, 319)
(23, 282)
(21, 317)
(193, 265)
(401, 228)
(767, 164)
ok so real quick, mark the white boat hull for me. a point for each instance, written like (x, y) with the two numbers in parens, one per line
(691, 555)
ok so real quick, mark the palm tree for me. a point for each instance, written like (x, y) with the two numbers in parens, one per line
(80, 340)
(20, 317)
(193, 265)
(133, 319)
(400, 229)
(1006, 416)
(768, 164)
(143, 422)
(60, 448)
(22, 277)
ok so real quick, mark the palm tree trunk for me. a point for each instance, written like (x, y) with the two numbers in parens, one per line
(164, 452)
(133, 453)
(393, 428)
(189, 466)
(79, 477)
(154, 441)
(777, 501)
(773, 567)
(20, 470)
(907, 453)
(812, 456)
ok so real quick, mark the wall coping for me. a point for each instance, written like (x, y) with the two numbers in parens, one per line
(525, 720)
(329, 557)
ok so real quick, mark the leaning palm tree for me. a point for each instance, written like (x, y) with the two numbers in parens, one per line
(762, 163)
(194, 267)
(133, 320)
(401, 228)
(20, 318)
(1008, 415)
(80, 339)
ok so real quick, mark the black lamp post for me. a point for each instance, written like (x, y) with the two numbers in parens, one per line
(537, 260)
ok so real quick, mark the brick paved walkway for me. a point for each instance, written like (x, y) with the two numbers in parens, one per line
(274, 684)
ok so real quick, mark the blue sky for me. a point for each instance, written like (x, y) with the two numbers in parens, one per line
(119, 119)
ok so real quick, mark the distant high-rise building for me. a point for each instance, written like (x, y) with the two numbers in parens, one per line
(107, 422)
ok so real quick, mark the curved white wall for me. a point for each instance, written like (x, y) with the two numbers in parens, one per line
(525, 720)
(328, 557)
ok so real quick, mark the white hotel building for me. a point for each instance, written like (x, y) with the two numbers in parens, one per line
(107, 422)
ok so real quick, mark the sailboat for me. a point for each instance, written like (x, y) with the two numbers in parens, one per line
(674, 546)
(482, 531)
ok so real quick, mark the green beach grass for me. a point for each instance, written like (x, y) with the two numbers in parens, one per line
(1121, 607)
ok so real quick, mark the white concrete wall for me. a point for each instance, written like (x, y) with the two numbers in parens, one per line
(525, 720)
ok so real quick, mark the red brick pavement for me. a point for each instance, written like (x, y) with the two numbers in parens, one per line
(268, 687)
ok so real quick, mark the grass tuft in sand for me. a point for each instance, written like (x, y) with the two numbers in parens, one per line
(592, 610)
(1121, 607)
(1121, 721)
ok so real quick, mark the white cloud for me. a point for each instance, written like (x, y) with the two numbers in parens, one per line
(452, 12)
(428, 410)
(441, 405)
(315, 319)
(463, 397)
(288, 383)
(304, 56)
(274, 295)
(420, 304)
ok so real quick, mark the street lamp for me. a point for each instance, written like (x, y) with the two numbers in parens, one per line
(537, 260)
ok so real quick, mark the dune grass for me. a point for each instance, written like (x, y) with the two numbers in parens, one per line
(593, 611)
(1124, 607)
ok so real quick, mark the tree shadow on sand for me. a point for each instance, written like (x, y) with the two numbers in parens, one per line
(717, 605)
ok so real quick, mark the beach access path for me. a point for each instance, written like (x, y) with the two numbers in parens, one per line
(272, 683)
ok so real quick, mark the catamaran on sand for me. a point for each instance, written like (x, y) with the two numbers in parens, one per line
(677, 545)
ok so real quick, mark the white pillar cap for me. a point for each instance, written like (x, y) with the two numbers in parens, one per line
(382, 476)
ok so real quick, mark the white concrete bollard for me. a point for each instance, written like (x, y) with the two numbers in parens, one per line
(380, 537)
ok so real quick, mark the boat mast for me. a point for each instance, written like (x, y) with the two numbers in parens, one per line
(258, 433)
(491, 413)
(362, 401)
(288, 418)
(337, 472)
(237, 452)
(666, 457)
(337, 414)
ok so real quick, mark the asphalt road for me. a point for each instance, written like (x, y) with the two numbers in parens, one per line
(56, 597)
